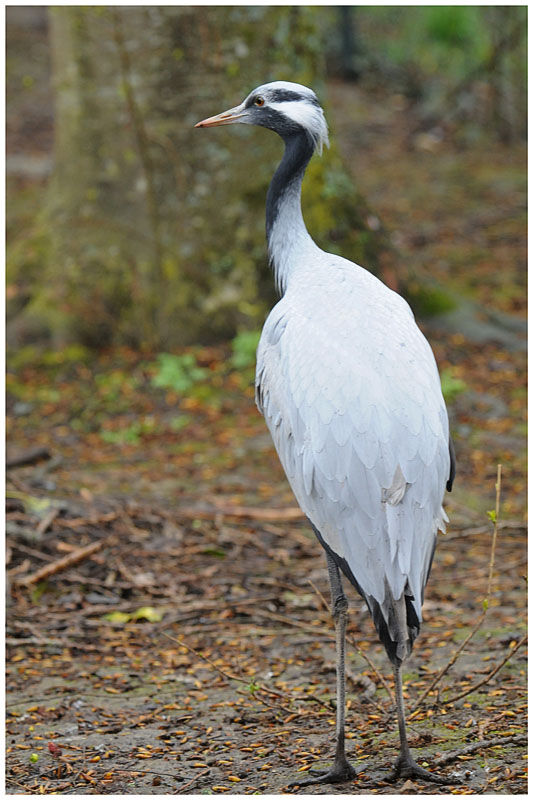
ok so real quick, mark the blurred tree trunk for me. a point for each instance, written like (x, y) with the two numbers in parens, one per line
(158, 229)
(507, 29)
(349, 43)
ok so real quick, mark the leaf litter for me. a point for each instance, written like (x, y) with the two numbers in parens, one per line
(166, 630)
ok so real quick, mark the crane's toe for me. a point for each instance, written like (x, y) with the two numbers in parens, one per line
(406, 767)
(341, 772)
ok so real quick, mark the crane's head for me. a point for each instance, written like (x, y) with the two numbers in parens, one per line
(287, 108)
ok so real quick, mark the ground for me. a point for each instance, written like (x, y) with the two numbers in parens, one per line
(167, 630)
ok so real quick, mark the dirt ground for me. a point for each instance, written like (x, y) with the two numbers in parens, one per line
(186, 647)
(132, 711)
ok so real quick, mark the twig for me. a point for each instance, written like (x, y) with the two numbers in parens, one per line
(36, 640)
(248, 681)
(18, 484)
(45, 523)
(193, 780)
(261, 612)
(481, 619)
(481, 745)
(285, 709)
(206, 659)
(195, 607)
(491, 674)
(63, 563)
(27, 457)
(31, 551)
(248, 512)
(80, 522)
(319, 594)
(304, 697)
(373, 667)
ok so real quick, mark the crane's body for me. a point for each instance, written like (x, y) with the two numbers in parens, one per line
(351, 395)
(350, 392)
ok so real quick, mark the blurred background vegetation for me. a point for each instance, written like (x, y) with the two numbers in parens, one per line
(128, 227)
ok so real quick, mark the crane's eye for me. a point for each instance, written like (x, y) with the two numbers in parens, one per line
(259, 101)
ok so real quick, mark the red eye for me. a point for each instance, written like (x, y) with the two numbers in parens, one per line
(259, 101)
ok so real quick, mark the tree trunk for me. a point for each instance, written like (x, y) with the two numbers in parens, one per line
(158, 229)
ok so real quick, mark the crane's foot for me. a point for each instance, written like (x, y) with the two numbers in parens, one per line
(341, 772)
(406, 767)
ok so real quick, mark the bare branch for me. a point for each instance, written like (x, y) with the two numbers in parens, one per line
(491, 674)
(488, 594)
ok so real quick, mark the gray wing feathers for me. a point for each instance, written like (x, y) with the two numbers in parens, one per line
(357, 417)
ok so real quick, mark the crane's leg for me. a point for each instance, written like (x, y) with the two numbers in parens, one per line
(341, 770)
(406, 766)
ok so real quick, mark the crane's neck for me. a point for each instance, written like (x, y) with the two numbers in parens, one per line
(287, 236)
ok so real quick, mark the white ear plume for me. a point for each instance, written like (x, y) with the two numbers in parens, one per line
(310, 116)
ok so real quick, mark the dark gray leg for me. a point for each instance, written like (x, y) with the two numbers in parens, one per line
(406, 766)
(341, 770)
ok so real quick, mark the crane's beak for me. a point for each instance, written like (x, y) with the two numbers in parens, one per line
(226, 118)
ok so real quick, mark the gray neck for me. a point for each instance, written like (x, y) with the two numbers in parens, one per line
(287, 236)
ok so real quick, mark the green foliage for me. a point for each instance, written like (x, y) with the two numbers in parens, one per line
(454, 26)
(244, 347)
(179, 373)
(111, 386)
(217, 552)
(181, 422)
(454, 61)
(131, 434)
(451, 386)
(427, 301)
(37, 506)
(441, 42)
(38, 591)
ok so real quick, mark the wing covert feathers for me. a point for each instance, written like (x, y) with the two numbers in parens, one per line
(351, 395)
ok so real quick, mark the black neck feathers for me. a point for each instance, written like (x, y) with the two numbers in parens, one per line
(298, 151)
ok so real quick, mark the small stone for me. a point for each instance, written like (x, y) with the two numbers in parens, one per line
(407, 788)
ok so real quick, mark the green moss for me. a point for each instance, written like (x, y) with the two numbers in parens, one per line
(428, 301)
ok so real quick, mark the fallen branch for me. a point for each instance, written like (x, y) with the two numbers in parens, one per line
(205, 658)
(45, 523)
(491, 674)
(28, 457)
(36, 640)
(261, 612)
(481, 619)
(61, 564)
(247, 681)
(481, 745)
(31, 551)
(80, 522)
(279, 706)
(248, 512)
(197, 606)
(189, 783)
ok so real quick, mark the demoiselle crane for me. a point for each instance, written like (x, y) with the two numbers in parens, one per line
(350, 392)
